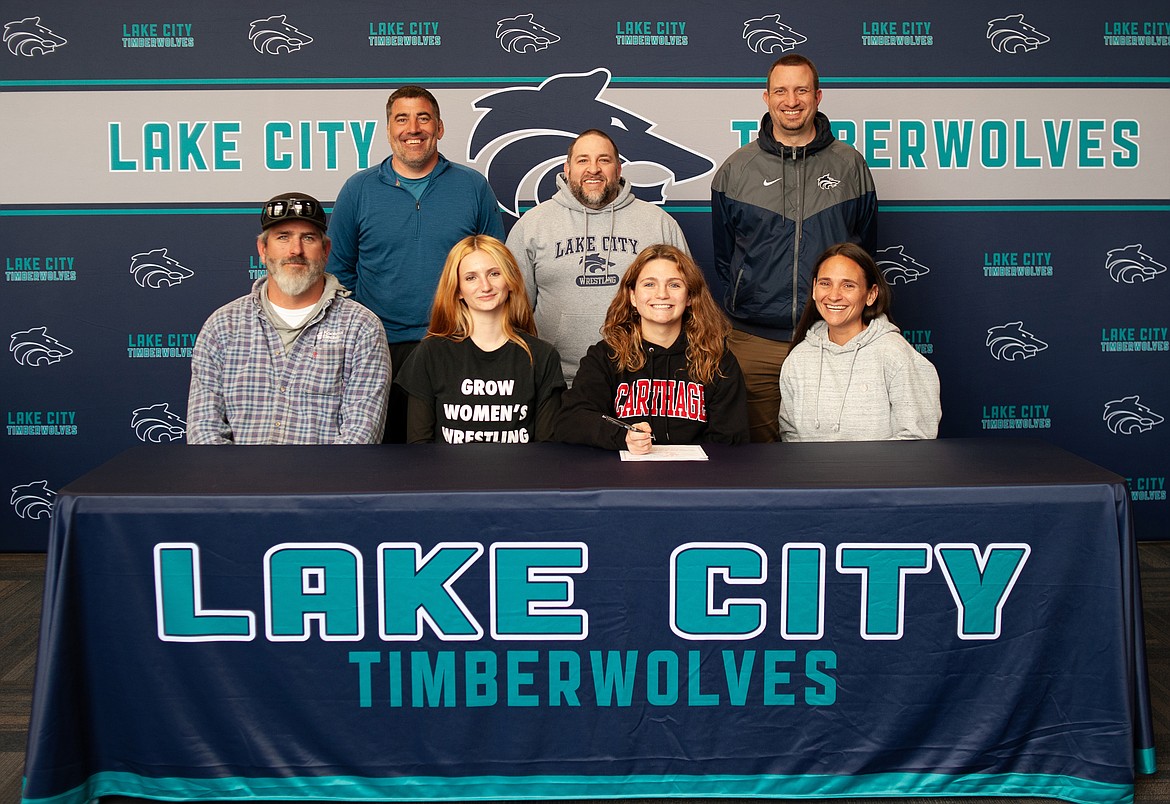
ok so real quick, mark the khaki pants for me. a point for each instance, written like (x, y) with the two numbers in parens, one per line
(760, 359)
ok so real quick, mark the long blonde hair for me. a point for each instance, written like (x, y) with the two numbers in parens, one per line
(450, 317)
(704, 323)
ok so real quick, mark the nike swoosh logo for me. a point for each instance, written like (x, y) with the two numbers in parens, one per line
(770, 183)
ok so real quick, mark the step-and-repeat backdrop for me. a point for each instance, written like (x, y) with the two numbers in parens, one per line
(1019, 150)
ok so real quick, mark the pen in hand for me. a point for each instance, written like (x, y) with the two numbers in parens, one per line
(625, 426)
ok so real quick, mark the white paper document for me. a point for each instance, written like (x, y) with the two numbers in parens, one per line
(668, 452)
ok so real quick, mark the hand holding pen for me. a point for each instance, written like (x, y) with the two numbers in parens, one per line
(638, 436)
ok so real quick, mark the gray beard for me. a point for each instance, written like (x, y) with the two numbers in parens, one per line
(294, 284)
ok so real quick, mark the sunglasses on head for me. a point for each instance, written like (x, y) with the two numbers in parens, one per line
(298, 207)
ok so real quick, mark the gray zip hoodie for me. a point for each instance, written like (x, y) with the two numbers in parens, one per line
(876, 387)
(573, 257)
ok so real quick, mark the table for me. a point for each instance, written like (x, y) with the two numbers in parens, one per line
(939, 618)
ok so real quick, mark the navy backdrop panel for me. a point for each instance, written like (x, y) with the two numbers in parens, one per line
(893, 696)
(1018, 155)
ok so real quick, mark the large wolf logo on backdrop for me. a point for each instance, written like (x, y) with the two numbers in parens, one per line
(27, 37)
(528, 131)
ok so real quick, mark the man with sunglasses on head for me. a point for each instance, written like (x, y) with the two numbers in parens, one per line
(394, 223)
(295, 361)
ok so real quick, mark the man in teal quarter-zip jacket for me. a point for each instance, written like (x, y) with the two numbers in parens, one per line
(394, 223)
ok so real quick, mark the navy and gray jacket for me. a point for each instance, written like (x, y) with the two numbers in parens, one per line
(774, 210)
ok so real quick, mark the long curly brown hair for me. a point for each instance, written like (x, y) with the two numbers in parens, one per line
(704, 323)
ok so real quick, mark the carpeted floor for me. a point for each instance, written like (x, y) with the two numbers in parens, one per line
(21, 585)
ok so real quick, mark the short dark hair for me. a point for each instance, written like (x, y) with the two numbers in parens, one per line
(597, 132)
(795, 60)
(873, 276)
(412, 91)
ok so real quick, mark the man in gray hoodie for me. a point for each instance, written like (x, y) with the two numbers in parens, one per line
(573, 248)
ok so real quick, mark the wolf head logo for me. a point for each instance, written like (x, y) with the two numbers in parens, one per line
(27, 37)
(827, 182)
(528, 130)
(154, 269)
(1131, 264)
(1013, 342)
(1012, 35)
(767, 34)
(899, 267)
(1129, 416)
(35, 347)
(274, 35)
(594, 263)
(33, 500)
(520, 34)
(157, 424)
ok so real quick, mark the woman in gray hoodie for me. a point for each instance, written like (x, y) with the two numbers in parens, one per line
(850, 375)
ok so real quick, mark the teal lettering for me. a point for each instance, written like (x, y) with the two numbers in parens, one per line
(363, 140)
(775, 678)
(981, 583)
(224, 147)
(533, 591)
(274, 131)
(738, 678)
(1022, 158)
(954, 143)
(480, 685)
(330, 128)
(433, 685)
(314, 583)
(156, 147)
(1125, 132)
(365, 660)
(695, 609)
(188, 142)
(911, 144)
(993, 135)
(1088, 142)
(419, 589)
(814, 661)
(564, 677)
(874, 142)
(182, 617)
(518, 678)
(695, 694)
(1057, 141)
(662, 678)
(883, 570)
(117, 163)
(802, 592)
(613, 676)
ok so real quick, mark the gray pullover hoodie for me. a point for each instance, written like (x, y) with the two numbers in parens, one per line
(573, 257)
(876, 387)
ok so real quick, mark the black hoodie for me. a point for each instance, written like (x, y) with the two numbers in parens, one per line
(678, 409)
